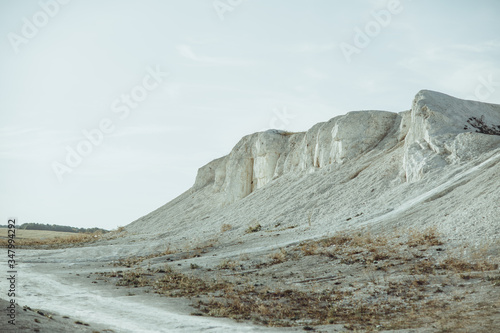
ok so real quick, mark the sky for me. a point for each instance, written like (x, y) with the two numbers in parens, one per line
(109, 107)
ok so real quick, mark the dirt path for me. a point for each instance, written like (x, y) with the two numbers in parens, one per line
(68, 292)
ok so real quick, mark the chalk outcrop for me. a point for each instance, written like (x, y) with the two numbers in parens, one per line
(261, 157)
(435, 133)
(440, 134)
(436, 163)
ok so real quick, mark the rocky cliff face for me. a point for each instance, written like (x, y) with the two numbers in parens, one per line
(435, 132)
(436, 164)
(440, 134)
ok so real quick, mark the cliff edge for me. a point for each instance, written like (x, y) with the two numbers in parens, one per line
(436, 164)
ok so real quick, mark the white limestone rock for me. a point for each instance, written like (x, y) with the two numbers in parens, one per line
(440, 135)
(261, 157)
(433, 131)
(348, 172)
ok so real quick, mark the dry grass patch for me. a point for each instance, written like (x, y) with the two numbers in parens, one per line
(309, 249)
(279, 257)
(229, 264)
(351, 246)
(56, 242)
(423, 267)
(204, 246)
(137, 278)
(42, 239)
(459, 265)
(175, 284)
(165, 281)
(226, 227)
(253, 228)
(365, 282)
(289, 307)
(132, 261)
(428, 237)
(495, 280)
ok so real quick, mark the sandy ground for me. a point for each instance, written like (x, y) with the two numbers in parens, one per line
(69, 283)
(36, 320)
(70, 289)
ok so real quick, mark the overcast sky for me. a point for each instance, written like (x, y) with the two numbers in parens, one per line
(234, 68)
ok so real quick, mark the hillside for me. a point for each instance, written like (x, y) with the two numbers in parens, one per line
(425, 166)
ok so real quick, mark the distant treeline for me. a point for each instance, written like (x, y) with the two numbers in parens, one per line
(55, 227)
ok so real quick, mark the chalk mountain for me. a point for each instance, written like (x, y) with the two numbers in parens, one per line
(435, 164)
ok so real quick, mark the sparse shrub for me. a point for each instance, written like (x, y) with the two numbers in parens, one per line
(228, 264)
(460, 265)
(494, 279)
(423, 267)
(254, 228)
(309, 249)
(278, 257)
(203, 246)
(428, 236)
(132, 261)
(119, 229)
(136, 278)
(175, 284)
(481, 127)
(378, 256)
(225, 227)
(167, 251)
(340, 238)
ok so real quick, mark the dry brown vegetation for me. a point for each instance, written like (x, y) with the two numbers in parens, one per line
(41, 239)
(364, 281)
(134, 260)
(195, 252)
(279, 257)
(228, 264)
(55, 242)
(225, 227)
(427, 236)
(256, 227)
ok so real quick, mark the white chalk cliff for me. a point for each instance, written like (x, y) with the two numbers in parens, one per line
(376, 166)
(262, 157)
(433, 134)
